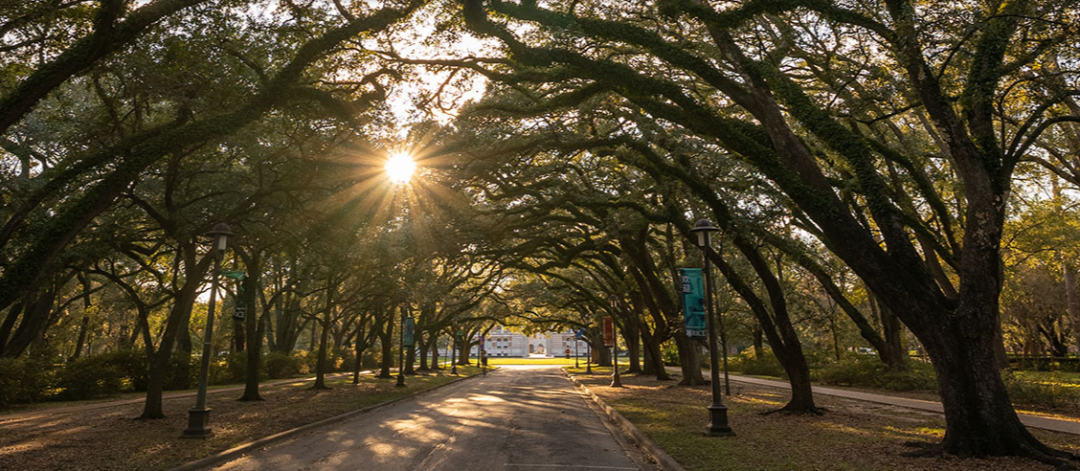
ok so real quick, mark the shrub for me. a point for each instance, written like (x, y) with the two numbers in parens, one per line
(25, 380)
(183, 372)
(1052, 391)
(132, 366)
(871, 372)
(283, 365)
(218, 372)
(369, 359)
(819, 358)
(346, 358)
(90, 377)
(309, 360)
(669, 353)
(237, 366)
(336, 362)
(747, 363)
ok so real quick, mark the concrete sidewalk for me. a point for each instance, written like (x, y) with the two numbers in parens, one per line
(1045, 423)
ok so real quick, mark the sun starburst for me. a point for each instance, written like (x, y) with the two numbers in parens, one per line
(399, 168)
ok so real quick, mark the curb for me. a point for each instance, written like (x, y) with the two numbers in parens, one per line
(664, 460)
(241, 449)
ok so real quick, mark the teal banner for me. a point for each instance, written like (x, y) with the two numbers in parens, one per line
(693, 302)
(410, 326)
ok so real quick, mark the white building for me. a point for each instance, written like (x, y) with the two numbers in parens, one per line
(501, 342)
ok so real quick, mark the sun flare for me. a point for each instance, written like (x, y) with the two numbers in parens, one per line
(399, 168)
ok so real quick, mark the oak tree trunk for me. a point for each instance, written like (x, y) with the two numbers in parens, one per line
(689, 360)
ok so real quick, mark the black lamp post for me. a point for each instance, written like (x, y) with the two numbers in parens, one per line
(615, 382)
(588, 353)
(718, 424)
(401, 353)
(577, 351)
(199, 416)
(453, 351)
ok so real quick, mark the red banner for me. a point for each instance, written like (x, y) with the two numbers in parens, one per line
(609, 332)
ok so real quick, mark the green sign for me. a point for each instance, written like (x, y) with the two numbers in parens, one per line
(410, 326)
(459, 334)
(693, 302)
(234, 274)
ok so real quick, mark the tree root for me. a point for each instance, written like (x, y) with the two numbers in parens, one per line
(1060, 460)
(923, 450)
(791, 410)
(690, 383)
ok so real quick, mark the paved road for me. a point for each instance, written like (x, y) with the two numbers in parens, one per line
(518, 418)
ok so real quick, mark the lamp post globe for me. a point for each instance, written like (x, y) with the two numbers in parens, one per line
(199, 416)
(704, 229)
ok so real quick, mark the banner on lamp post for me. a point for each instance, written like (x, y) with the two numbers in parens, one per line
(693, 302)
(410, 326)
(609, 332)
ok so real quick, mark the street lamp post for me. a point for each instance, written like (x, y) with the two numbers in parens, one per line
(718, 424)
(453, 351)
(577, 351)
(588, 355)
(453, 354)
(199, 416)
(401, 353)
(615, 382)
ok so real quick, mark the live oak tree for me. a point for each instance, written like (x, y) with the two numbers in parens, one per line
(146, 127)
(728, 73)
(275, 88)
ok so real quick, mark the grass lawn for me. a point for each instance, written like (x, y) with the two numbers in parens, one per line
(851, 435)
(109, 438)
(1057, 378)
(494, 361)
(530, 361)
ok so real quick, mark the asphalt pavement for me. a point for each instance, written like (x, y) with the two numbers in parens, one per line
(520, 418)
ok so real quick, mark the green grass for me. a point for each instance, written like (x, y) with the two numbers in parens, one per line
(596, 370)
(531, 361)
(1059, 378)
